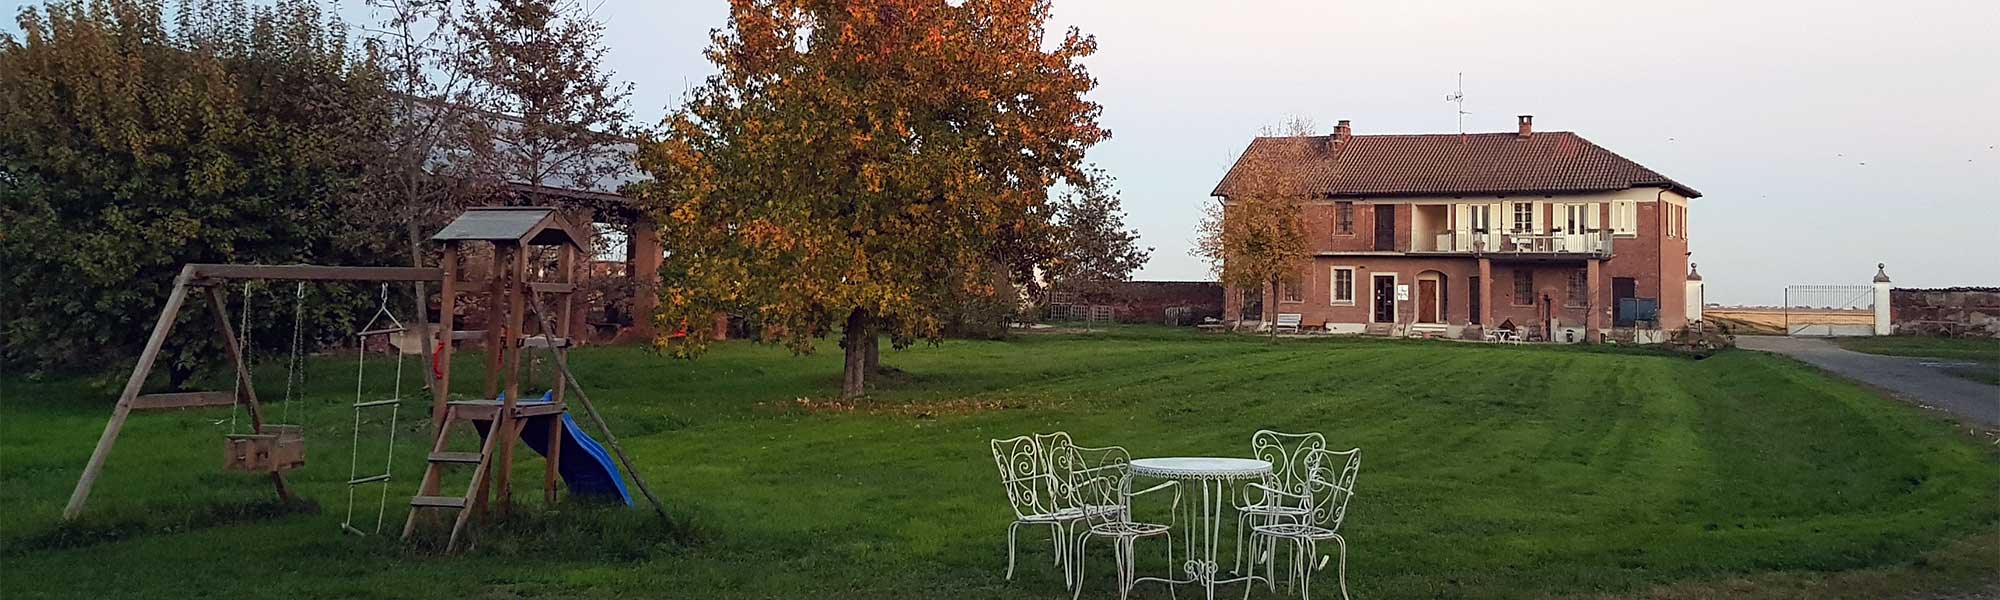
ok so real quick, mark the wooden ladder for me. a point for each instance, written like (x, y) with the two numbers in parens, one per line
(428, 493)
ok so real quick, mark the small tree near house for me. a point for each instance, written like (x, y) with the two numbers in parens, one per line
(1256, 237)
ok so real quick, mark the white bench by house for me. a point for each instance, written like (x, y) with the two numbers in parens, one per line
(1289, 321)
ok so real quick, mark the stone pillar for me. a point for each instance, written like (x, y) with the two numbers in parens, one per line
(1882, 325)
(1696, 294)
(644, 273)
(1485, 292)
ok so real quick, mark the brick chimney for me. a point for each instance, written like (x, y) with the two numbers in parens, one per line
(1527, 126)
(1342, 132)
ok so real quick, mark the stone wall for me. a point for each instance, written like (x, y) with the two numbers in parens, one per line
(1148, 301)
(1954, 312)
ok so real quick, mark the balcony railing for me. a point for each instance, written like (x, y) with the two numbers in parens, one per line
(1596, 243)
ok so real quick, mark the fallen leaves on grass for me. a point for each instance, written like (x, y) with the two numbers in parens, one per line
(920, 410)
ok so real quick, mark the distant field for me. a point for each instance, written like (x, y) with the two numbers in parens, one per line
(1772, 320)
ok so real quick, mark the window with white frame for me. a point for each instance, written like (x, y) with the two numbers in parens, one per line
(1479, 217)
(1625, 217)
(1343, 286)
(1524, 216)
(1576, 218)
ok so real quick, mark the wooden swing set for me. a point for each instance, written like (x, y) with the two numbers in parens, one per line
(510, 290)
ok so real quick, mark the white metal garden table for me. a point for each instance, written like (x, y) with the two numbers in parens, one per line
(1214, 476)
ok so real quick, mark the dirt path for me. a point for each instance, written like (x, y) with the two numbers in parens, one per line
(1908, 378)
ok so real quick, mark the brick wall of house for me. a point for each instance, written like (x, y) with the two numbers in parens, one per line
(1317, 306)
(1656, 262)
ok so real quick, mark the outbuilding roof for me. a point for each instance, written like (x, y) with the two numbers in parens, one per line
(1554, 162)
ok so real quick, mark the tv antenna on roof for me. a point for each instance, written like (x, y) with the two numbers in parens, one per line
(1459, 97)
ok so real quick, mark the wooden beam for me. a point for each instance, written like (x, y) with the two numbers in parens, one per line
(315, 272)
(183, 400)
(95, 467)
(552, 287)
(495, 306)
(447, 305)
(516, 292)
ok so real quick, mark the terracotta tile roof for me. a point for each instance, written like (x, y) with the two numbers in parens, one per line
(1553, 162)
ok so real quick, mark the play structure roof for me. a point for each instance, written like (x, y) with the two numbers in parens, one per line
(525, 225)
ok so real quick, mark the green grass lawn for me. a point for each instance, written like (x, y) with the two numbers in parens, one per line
(1983, 354)
(1489, 472)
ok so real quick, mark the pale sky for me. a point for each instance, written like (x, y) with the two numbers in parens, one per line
(1827, 135)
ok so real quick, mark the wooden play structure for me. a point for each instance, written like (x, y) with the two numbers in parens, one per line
(534, 253)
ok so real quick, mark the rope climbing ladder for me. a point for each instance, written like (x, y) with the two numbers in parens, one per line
(394, 403)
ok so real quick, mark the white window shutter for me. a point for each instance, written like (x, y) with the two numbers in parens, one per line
(1507, 216)
(1541, 217)
(1590, 216)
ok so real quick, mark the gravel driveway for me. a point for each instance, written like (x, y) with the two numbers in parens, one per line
(1907, 378)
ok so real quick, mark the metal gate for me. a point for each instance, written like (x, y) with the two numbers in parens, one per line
(1829, 310)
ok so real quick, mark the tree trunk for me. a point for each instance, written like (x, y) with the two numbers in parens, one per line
(871, 348)
(854, 369)
(422, 301)
(1271, 312)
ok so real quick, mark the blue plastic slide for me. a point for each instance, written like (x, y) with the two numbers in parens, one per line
(585, 465)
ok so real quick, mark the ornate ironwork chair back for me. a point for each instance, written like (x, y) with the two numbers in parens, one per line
(1287, 453)
(1065, 466)
(1331, 478)
(1024, 472)
(1101, 481)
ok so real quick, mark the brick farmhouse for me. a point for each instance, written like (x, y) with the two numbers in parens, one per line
(1542, 233)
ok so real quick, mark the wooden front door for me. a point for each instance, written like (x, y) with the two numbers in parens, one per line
(1385, 227)
(1427, 301)
(1385, 299)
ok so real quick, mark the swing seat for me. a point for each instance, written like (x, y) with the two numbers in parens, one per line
(280, 448)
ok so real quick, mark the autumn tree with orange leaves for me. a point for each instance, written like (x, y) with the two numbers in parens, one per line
(866, 166)
(1256, 237)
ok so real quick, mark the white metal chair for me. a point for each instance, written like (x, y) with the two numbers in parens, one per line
(1024, 473)
(1039, 495)
(1287, 454)
(1102, 484)
(1330, 479)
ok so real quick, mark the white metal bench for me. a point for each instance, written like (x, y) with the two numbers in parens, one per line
(1289, 321)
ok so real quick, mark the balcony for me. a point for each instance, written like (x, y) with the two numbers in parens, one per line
(1595, 244)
